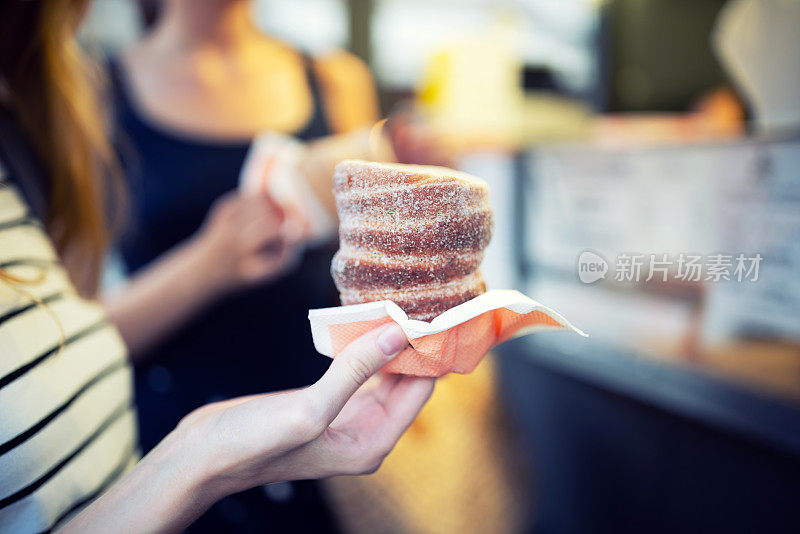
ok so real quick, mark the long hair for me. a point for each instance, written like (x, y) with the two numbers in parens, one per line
(52, 89)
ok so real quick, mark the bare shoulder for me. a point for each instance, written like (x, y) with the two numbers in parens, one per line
(349, 89)
(341, 66)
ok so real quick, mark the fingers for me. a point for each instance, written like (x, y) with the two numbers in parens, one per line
(249, 239)
(296, 223)
(268, 263)
(261, 201)
(223, 208)
(233, 209)
(259, 233)
(270, 224)
(402, 406)
(247, 207)
(406, 399)
(260, 222)
(353, 366)
(385, 386)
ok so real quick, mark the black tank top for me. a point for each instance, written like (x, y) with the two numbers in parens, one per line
(254, 341)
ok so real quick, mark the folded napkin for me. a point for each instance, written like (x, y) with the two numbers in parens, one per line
(272, 167)
(455, 341)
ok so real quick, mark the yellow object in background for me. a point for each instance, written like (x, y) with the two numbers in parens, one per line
(453, 471)
(472, 96)
(471, 89)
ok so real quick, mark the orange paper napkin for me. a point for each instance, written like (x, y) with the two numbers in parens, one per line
(455, 341)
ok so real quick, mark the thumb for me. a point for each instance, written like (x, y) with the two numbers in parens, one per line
(354, 365)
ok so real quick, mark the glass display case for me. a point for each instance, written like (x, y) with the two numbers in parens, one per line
(685, 398)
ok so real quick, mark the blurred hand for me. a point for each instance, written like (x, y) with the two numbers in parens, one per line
(339, 425)
(244, 240)
(414, 141)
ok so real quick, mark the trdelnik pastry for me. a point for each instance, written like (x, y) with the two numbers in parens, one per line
(412, 239)
(411, 234)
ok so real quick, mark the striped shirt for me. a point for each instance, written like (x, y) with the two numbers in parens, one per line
(67, 422)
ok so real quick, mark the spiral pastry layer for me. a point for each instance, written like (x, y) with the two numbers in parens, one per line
(411, 234)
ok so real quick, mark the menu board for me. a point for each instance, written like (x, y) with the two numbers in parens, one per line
(734, 206)
(614, 201)
(758, 210)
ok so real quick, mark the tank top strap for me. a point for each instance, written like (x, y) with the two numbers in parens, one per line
(317, 125)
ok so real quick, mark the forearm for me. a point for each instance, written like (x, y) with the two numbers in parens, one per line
(162, 297)
(165, 492)
(331, 428)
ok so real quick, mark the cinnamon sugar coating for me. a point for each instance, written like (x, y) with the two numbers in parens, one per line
(470, 233)
(411, 234)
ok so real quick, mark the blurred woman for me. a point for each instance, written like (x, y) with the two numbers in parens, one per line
(213, 273)
(67, 422)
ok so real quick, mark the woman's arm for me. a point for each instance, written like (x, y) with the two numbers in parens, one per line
(243, 241)
(322, 156)
(332, 427)
(351, 106)
(165, 492)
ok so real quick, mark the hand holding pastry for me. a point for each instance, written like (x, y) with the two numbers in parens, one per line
(339, 425)
(332, 427)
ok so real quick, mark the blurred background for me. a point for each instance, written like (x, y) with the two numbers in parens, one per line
(637, 127)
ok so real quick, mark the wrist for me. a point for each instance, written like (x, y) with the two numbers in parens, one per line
(205, 269)
(190, 458)
(221, 462)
